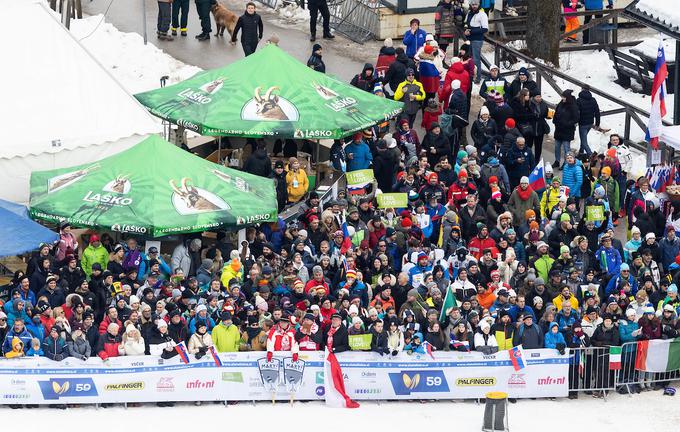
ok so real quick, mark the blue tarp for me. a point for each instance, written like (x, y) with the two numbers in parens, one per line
(18, 209)
(19, 234)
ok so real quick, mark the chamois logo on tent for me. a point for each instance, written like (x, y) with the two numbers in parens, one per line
(67, 179)
(324, 91)
(188, 199)
(119, 185)
(213, 86)
(269, 107)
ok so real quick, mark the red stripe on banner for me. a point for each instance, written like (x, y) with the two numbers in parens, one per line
(338, 382)
(641, 357)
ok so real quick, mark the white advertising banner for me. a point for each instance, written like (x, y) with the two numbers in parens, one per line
(448, 375)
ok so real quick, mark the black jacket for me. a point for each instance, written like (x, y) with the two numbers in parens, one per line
(482, 132)
(364, 81)
(251, 28)
(516, 86)
(316, 62)
(440, 145)
(379, 342)
(385, 166)
(539, 122)
(565, 120)
(340, 339)
(396, 73)
(281, 189)
(589, 110)
(522, 113)
(258, 163)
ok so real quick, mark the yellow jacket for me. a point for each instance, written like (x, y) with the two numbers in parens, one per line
(17, 349)
(297, 185)
(550, 198)
(557, 301)
(399, 92)
(232, 269)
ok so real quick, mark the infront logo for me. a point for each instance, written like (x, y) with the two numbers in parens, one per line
(198, 384)
(551, 381)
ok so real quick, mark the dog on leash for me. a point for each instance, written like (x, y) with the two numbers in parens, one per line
(224, 18)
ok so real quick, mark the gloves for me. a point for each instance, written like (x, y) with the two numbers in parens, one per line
(560, 348)
(610, 6)
(295, 357)
(203, 350)
(58, 357)
(380, 352)
(270, 355)
(199, 354)
(395, 352)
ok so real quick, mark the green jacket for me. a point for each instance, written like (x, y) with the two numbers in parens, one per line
(543, 265)
(93, 255)
(226, 339)
(611, 187)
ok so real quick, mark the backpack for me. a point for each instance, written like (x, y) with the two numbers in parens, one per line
(446, 124)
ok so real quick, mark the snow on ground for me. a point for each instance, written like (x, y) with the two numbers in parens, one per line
(136, 66)
(643, 412)
(663, 10)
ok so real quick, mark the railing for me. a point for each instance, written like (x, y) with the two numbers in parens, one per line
(548, 74)
(69, 9)
(629, 378)
(356, 19)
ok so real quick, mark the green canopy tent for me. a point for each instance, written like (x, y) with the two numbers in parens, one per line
(268, 94)
(154, 189)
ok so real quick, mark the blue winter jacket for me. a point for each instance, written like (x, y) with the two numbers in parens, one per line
(515, 312)
(55, 347)
(669, 250)
(552, 339)
(563, 321)
(613, 284)
(13, 313)
(25, 337)
(609, 260)
(413, 42)
(572, 177)
(626, 329)
(361, 156)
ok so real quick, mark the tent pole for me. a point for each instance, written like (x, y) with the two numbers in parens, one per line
(318, 166)
(676, 85)
(219, 150)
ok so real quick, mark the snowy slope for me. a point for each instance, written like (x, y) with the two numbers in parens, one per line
(644, 412)
(137, 66)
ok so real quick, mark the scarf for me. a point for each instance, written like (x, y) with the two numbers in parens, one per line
(252, 333)
(524, 194)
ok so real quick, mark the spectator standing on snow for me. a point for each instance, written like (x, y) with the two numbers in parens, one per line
(251, 27)
(589, 116)
(477, 23)
(565, 120)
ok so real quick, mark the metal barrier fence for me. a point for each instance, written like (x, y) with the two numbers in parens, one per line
(355, 19)
(589, 371)
(631, 380)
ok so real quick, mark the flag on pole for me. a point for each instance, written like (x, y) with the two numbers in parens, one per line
(537, 178)
(658, 111)
(581, 362)
(215, 356)
(449, 302)
(658, 355)
(428, 349)
(334, 384)
(517, 358)
(183, 353)
(614, 358)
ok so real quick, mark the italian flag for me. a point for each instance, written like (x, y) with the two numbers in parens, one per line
(614, 358)
(658, 355)
(334, 384)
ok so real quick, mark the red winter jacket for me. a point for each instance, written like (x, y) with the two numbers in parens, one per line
(107, 346)
(105, 324)
(477, 246)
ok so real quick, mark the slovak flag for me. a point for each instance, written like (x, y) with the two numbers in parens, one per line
(183, 353)
(517, 358)
(658, 111)
(537, 178)
(428, 349)
(215, 356)
(334, 384)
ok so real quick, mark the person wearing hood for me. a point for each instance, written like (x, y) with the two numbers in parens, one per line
(565, 120)
(589, 117)
(386, 163)
(79, 347)
(259, 163)
(365, 79)
(204, 274)
(669, 247)
(456, 72)
(412, 93)
(296, 181)
(572, 175)
(554, 339)
(539, 124)
(315, 61)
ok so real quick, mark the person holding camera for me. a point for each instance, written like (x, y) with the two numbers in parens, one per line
(201, 341)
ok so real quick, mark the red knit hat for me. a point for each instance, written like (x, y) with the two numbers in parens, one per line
(406, 223)
(493, 179)
(509, 123)
(433, 175)
(462, 174)
(429, 49)
(611, 152)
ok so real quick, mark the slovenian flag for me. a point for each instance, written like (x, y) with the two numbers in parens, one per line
(517, 358)
(537, 178)
(658, 111)
(428, 349)
(429, 76)
(215, 356)
(183, 353)
(334, 384)
(658, 355)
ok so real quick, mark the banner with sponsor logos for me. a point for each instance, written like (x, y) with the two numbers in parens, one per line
(368, 375)
(153, 189)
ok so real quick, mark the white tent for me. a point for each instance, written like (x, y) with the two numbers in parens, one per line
(60, 106)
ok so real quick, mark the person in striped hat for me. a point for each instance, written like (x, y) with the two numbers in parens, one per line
(355, 287)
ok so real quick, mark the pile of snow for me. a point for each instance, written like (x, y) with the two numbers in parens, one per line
(136, 66)
(666, 11)
(643, 412)
(292, 12)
